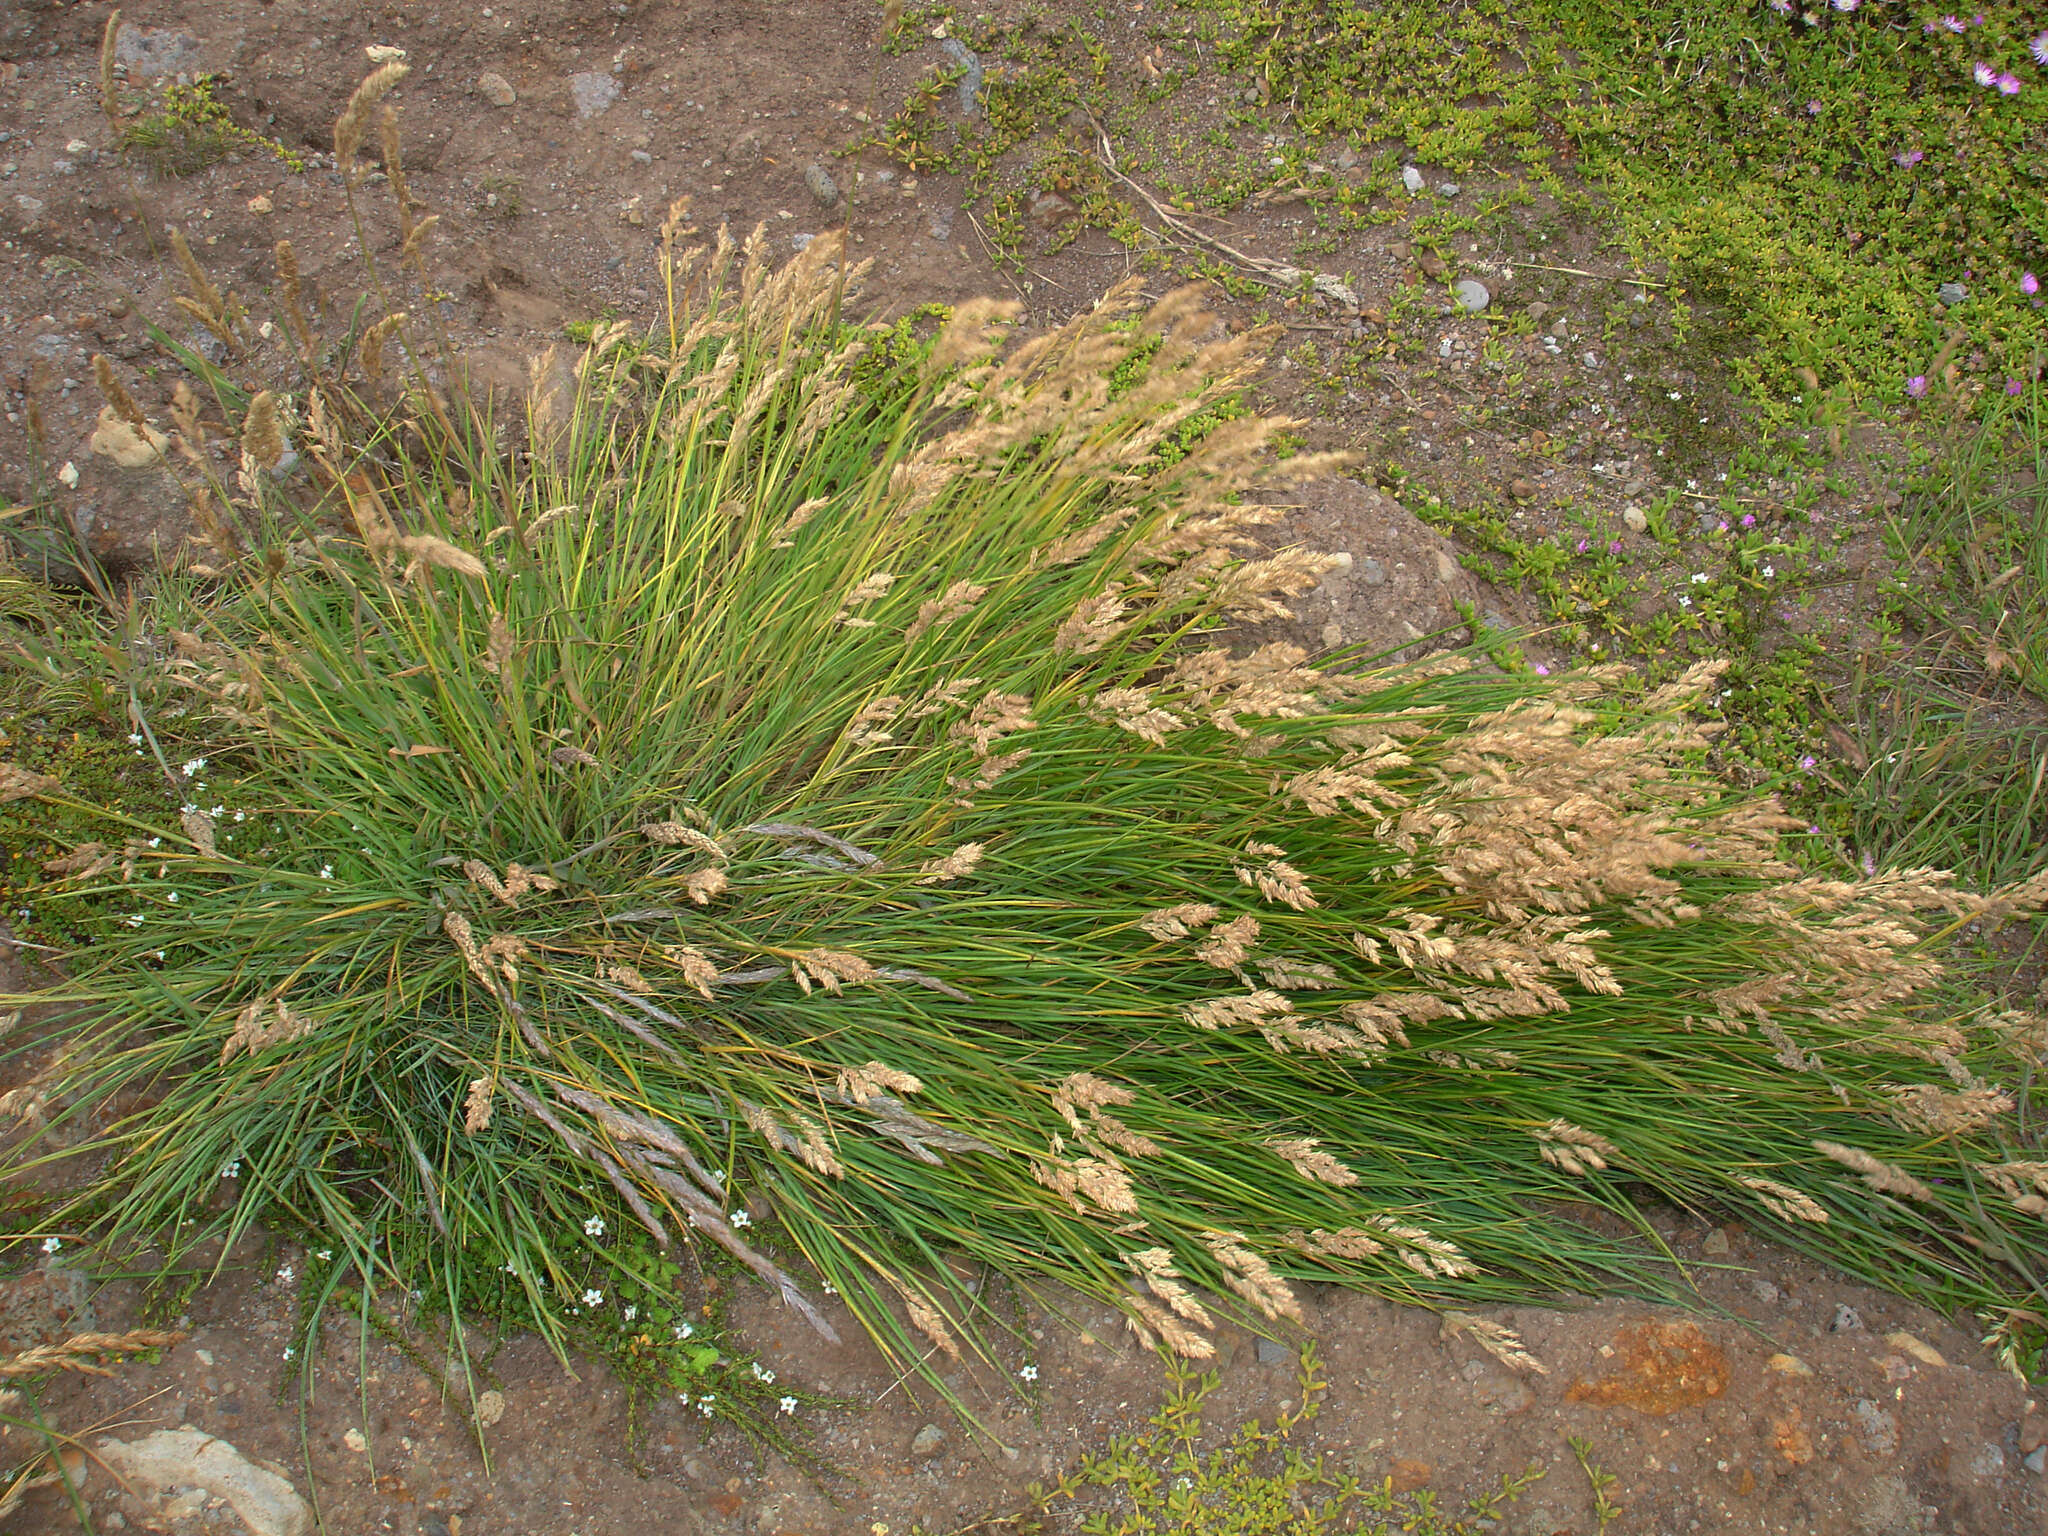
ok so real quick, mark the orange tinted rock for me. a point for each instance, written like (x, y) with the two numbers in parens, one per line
(1410, 1474)
(1665, 1366)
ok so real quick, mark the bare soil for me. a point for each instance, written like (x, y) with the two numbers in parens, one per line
(1771, 1409)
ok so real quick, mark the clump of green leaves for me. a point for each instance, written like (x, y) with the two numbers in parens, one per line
(1255, 1483)
(191, 129)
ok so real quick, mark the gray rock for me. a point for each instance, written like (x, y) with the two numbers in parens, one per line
(1446, 347)
(1472, 295)
(153, 52)
(594, 91)
(928, 1442)
(821, 185)
(1371, 572)
(1450, 189)
(496, 89)
(171, 1458)
(969, 92)
(1636, 488)
(1347, 157)
(1270, 1353)
(1446, 567)
(801, 241)
(1561, 329)
(1638, 522)
(1411, 178)
(1951, 294)
(1988, 1463)
(1538, 310)
(940, 226)
(1879, 1430)
(2036, 1461)
(1847, 1319)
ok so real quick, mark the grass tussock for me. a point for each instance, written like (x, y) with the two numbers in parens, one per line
(807, 803)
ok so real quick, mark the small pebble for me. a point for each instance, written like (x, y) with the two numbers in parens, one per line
(1638, 522)
(821, 184)
(2036, 1461)
(1847, 1319)
(1270, 1353)
(496, 89)
(1450, 189)
(1472, 295)
(1951, 294)
(1716, 1240)
(928, 1442)
(1411, 178)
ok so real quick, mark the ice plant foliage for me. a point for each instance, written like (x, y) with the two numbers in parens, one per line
(1018, 908)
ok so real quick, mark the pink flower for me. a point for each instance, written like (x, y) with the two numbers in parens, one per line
(1541, 670)
(2039, 49)
(2029, 284)
(1806, 762)
(1614, 547)
(2013, 386)
(1909, 157)
(1813, 109)
(1916, 386)
(1953, 23)
(1847, 5)
(1749, 519)
(1582, 546)
(1985, 74)
(2009, 84)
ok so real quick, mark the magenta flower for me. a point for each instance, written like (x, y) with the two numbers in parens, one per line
(1614, 547)
(2039, 49)
(2008, 84)
(1541, 670)
(1847, 5)
(1813, 109)
(1806, 762)
(1749, 519)
(2013, 386)
(1582, 546)
(2029, 284)
(1953, 24)
(1985, 75)
(1908, 158)
(1916, 386)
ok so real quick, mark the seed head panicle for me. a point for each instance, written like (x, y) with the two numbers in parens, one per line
(1177, 921)
(355, 117)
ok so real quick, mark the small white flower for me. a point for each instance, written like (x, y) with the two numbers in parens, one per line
(286, 1275)
(193, 767)
(788, 1405)
(324, 1255)
(326, 871)
(134, 921)
(1028, 1373)
(631, 1313)
(704, 1405)
(831, 1289)
(740, 1218)
(241, 815)
(217, 812)
(156, 842)
(189, 808)
(289, 1352)
(1769, 572)
(593, 1298)
(171, 896)
(593, 1226)
(231, 1170)
(717, 1176)
(1699, 578)
(135, 738)
(52, 1244)
(1685, 602)
(685, 1331)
